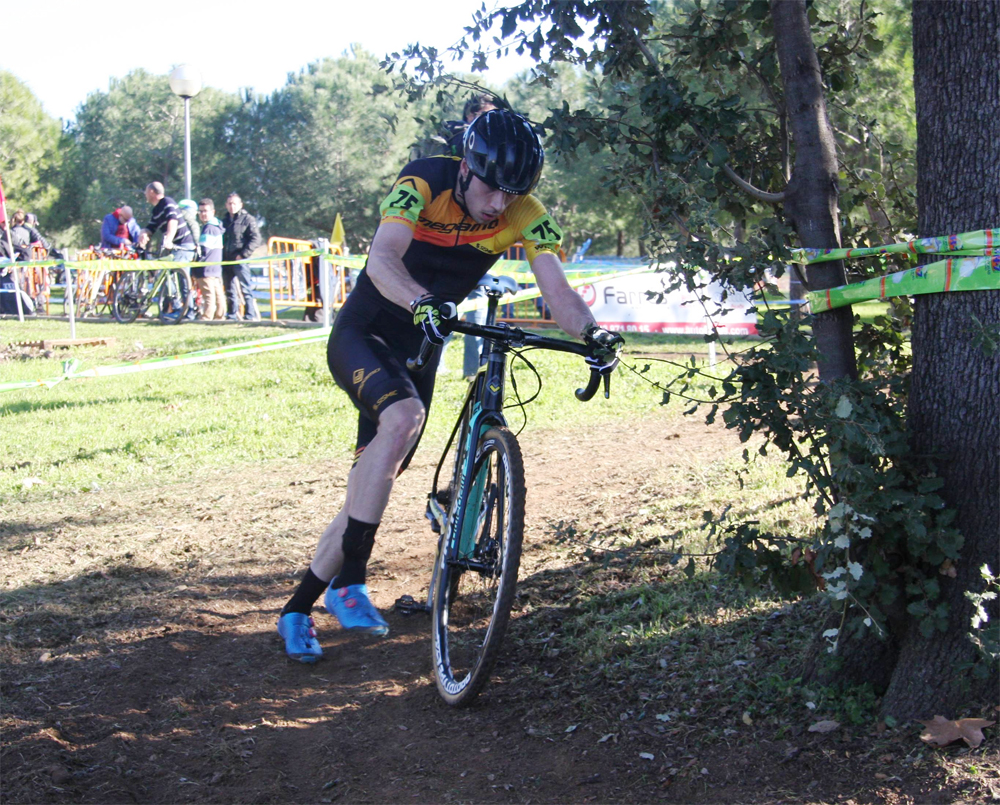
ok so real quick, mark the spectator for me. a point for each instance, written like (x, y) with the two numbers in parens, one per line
(208, 279)
(474, 107)
(23, 236)
(189, 212)
(119, 228)
(239, 240)
(8, 289)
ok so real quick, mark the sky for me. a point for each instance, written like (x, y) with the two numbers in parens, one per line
(83, 44)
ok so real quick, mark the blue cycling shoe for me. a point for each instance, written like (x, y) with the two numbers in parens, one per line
(300, 637)
(355, 610)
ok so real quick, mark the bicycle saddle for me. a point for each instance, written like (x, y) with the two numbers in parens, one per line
(498, 284)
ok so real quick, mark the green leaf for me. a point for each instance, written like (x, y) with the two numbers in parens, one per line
(844, 407)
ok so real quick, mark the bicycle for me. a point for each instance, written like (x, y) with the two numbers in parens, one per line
(479, 515)
(137, 292)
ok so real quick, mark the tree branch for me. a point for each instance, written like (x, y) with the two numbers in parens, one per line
(760, 195)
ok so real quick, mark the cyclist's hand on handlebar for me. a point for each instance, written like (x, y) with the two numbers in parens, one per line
(434, 316)
(604, 348)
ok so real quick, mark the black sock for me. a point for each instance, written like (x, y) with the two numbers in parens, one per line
(310, 588)
(359, 539)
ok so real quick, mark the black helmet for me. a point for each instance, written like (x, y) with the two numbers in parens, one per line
(503, 150)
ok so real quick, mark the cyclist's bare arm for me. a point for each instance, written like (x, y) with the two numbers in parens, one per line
(568, 308)
(385, 265)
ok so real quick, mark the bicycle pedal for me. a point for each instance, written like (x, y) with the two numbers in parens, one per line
(408, 605)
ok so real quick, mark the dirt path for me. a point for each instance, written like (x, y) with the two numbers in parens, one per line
(173, 687)
(141, 662)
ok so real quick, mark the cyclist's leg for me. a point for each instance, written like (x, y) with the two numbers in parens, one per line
(373, 374)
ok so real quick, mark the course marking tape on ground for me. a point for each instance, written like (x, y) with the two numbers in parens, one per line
(70, 367)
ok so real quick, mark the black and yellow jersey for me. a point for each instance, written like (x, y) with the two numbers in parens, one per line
(450, 252)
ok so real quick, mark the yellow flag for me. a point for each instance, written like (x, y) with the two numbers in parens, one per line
(337, 237)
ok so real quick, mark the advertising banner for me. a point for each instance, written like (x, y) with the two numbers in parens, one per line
(624, 303)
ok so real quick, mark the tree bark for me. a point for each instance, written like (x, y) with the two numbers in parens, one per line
(954, 403)
(811, 198)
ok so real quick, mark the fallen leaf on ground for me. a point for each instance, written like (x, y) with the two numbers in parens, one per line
(647, 756)
(824, 726)
(941, 732)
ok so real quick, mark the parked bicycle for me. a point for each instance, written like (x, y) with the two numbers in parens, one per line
(162, 292)
(478, 510)
(95, 286)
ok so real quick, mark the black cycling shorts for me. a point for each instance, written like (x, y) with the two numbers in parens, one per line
(367, 354)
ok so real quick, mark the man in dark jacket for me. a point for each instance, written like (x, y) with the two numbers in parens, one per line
(24, 236)
(239, 240)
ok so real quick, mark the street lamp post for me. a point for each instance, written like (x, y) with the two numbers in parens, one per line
(185, 81)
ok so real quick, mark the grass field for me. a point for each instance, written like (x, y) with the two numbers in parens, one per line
(97, 432)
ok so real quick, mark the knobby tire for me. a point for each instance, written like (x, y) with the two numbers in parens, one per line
(129, 296)
(471, 606)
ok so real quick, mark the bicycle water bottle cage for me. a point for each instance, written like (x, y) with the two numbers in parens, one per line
(498, 285)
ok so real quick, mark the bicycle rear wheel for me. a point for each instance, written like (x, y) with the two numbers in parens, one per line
(129, 297)
(473, 593)
(173, 297)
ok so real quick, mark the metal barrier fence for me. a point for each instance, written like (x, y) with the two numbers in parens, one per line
(295, 282)
(36, 280)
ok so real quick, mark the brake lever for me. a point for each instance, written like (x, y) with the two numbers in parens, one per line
(595, 380)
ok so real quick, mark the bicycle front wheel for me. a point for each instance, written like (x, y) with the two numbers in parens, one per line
(476, 580)
(173, 297)
(129, 296)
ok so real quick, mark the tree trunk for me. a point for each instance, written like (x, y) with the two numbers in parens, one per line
(954, 404)
(621, 243)
(811, 196)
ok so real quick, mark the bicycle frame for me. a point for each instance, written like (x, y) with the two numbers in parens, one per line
(483, 409)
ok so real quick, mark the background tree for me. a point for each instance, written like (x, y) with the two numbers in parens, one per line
(574, 185)
(954, 406)
(133, 134)
(324, 144)
(31, 151)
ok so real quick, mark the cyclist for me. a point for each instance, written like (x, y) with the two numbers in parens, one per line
(445, 222)
(177, 238)
(179, 244)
